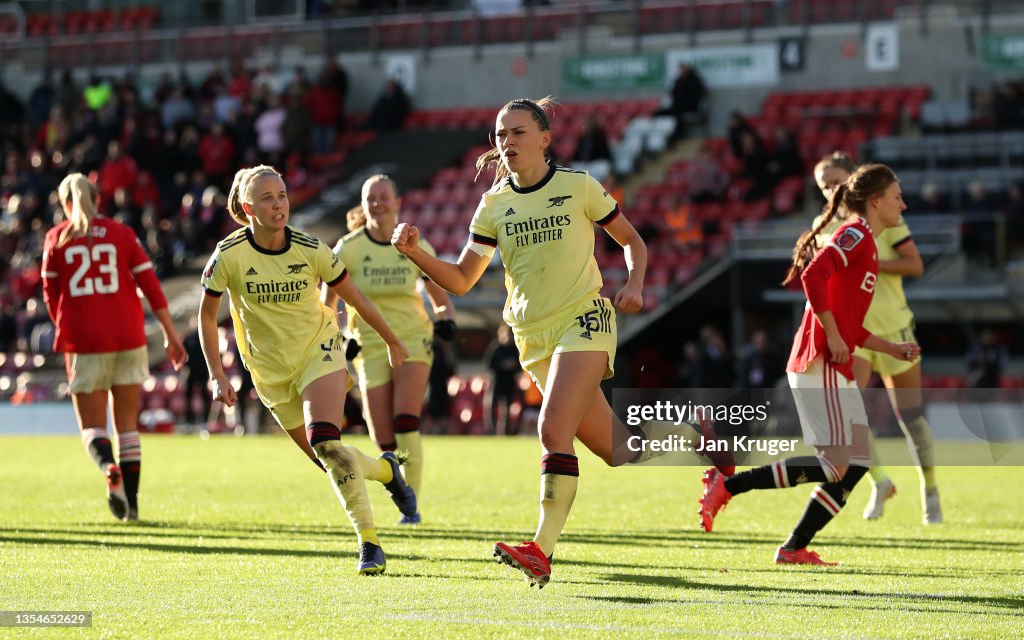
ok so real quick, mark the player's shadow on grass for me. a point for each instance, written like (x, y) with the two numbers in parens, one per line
(850, 595)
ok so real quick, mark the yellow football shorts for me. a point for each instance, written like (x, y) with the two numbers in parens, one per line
(285, 399)
(884, 364)
(589, 327)
(372, 366)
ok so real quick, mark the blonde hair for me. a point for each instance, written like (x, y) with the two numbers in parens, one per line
(374, 179)
(355, 218)
(538, 110)
(241, 190)
(81, 194)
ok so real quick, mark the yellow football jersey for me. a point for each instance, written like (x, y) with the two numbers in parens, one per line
(889, 311)
(275, 300)
(388, 279)
(545, 236)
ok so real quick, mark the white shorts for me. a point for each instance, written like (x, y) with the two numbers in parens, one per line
(88, 372)
(828, 404)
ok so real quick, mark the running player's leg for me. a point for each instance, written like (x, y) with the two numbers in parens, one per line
(410, 385)
(322, 412)
(377, 409)
(821, 398)
(322, 408)
(571, 383)
(882, 487)
(828, 499)
(126, 399)
(905, 391)
(572, 386)
(91, 412)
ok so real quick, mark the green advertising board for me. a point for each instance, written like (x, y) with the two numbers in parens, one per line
(604, 73)
(1003, 51)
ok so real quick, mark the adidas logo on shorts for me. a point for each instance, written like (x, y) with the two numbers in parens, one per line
(327, 358)
(251, 272)
(586, 334)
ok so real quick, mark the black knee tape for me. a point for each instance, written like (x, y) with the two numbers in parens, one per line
(318, 432)
(911, 414)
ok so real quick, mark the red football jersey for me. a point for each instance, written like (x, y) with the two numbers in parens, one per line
(89, 287)
(841, 279)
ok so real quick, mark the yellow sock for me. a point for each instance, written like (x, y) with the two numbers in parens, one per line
(376, 469)
(877, 471)
(558, 480)
(411, 443)
(368, 535)
(348, 481)
(920, 433)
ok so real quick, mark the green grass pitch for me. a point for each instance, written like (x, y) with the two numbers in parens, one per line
(244, 538)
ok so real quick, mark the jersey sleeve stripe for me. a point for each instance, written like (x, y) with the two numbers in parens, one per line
(142, 267)
(605, 221)
(484, 240)
(212, 292)
(341, 277)
(903, 242)
(227, 244)
(306, 243)
(842, 254)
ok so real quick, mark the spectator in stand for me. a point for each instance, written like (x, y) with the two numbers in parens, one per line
(979, 226)
(756, 167)
(337, 78)
(593, 143)
(986, 361)
(704, 178)
(53, 134)
(930, 200)
(124, 212)
(217, 154)
(761, 366)
(784, 160)
(211, 218)
(41, 100)
(225, 105)
(98, 93)
(269, 137)
(188, 149)
(714, 361)
(176, 110)
(390, 108)
(323, 101)
(69, 95)
(502, 359)
(738, 126)
(118, 172)
(297, 127)
(685, 99)
(145, 192)
(240, 85)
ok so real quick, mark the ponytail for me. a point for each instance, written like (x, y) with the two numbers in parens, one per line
(850, 197)
(807, 243)
(241, 190)
(78, 195)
